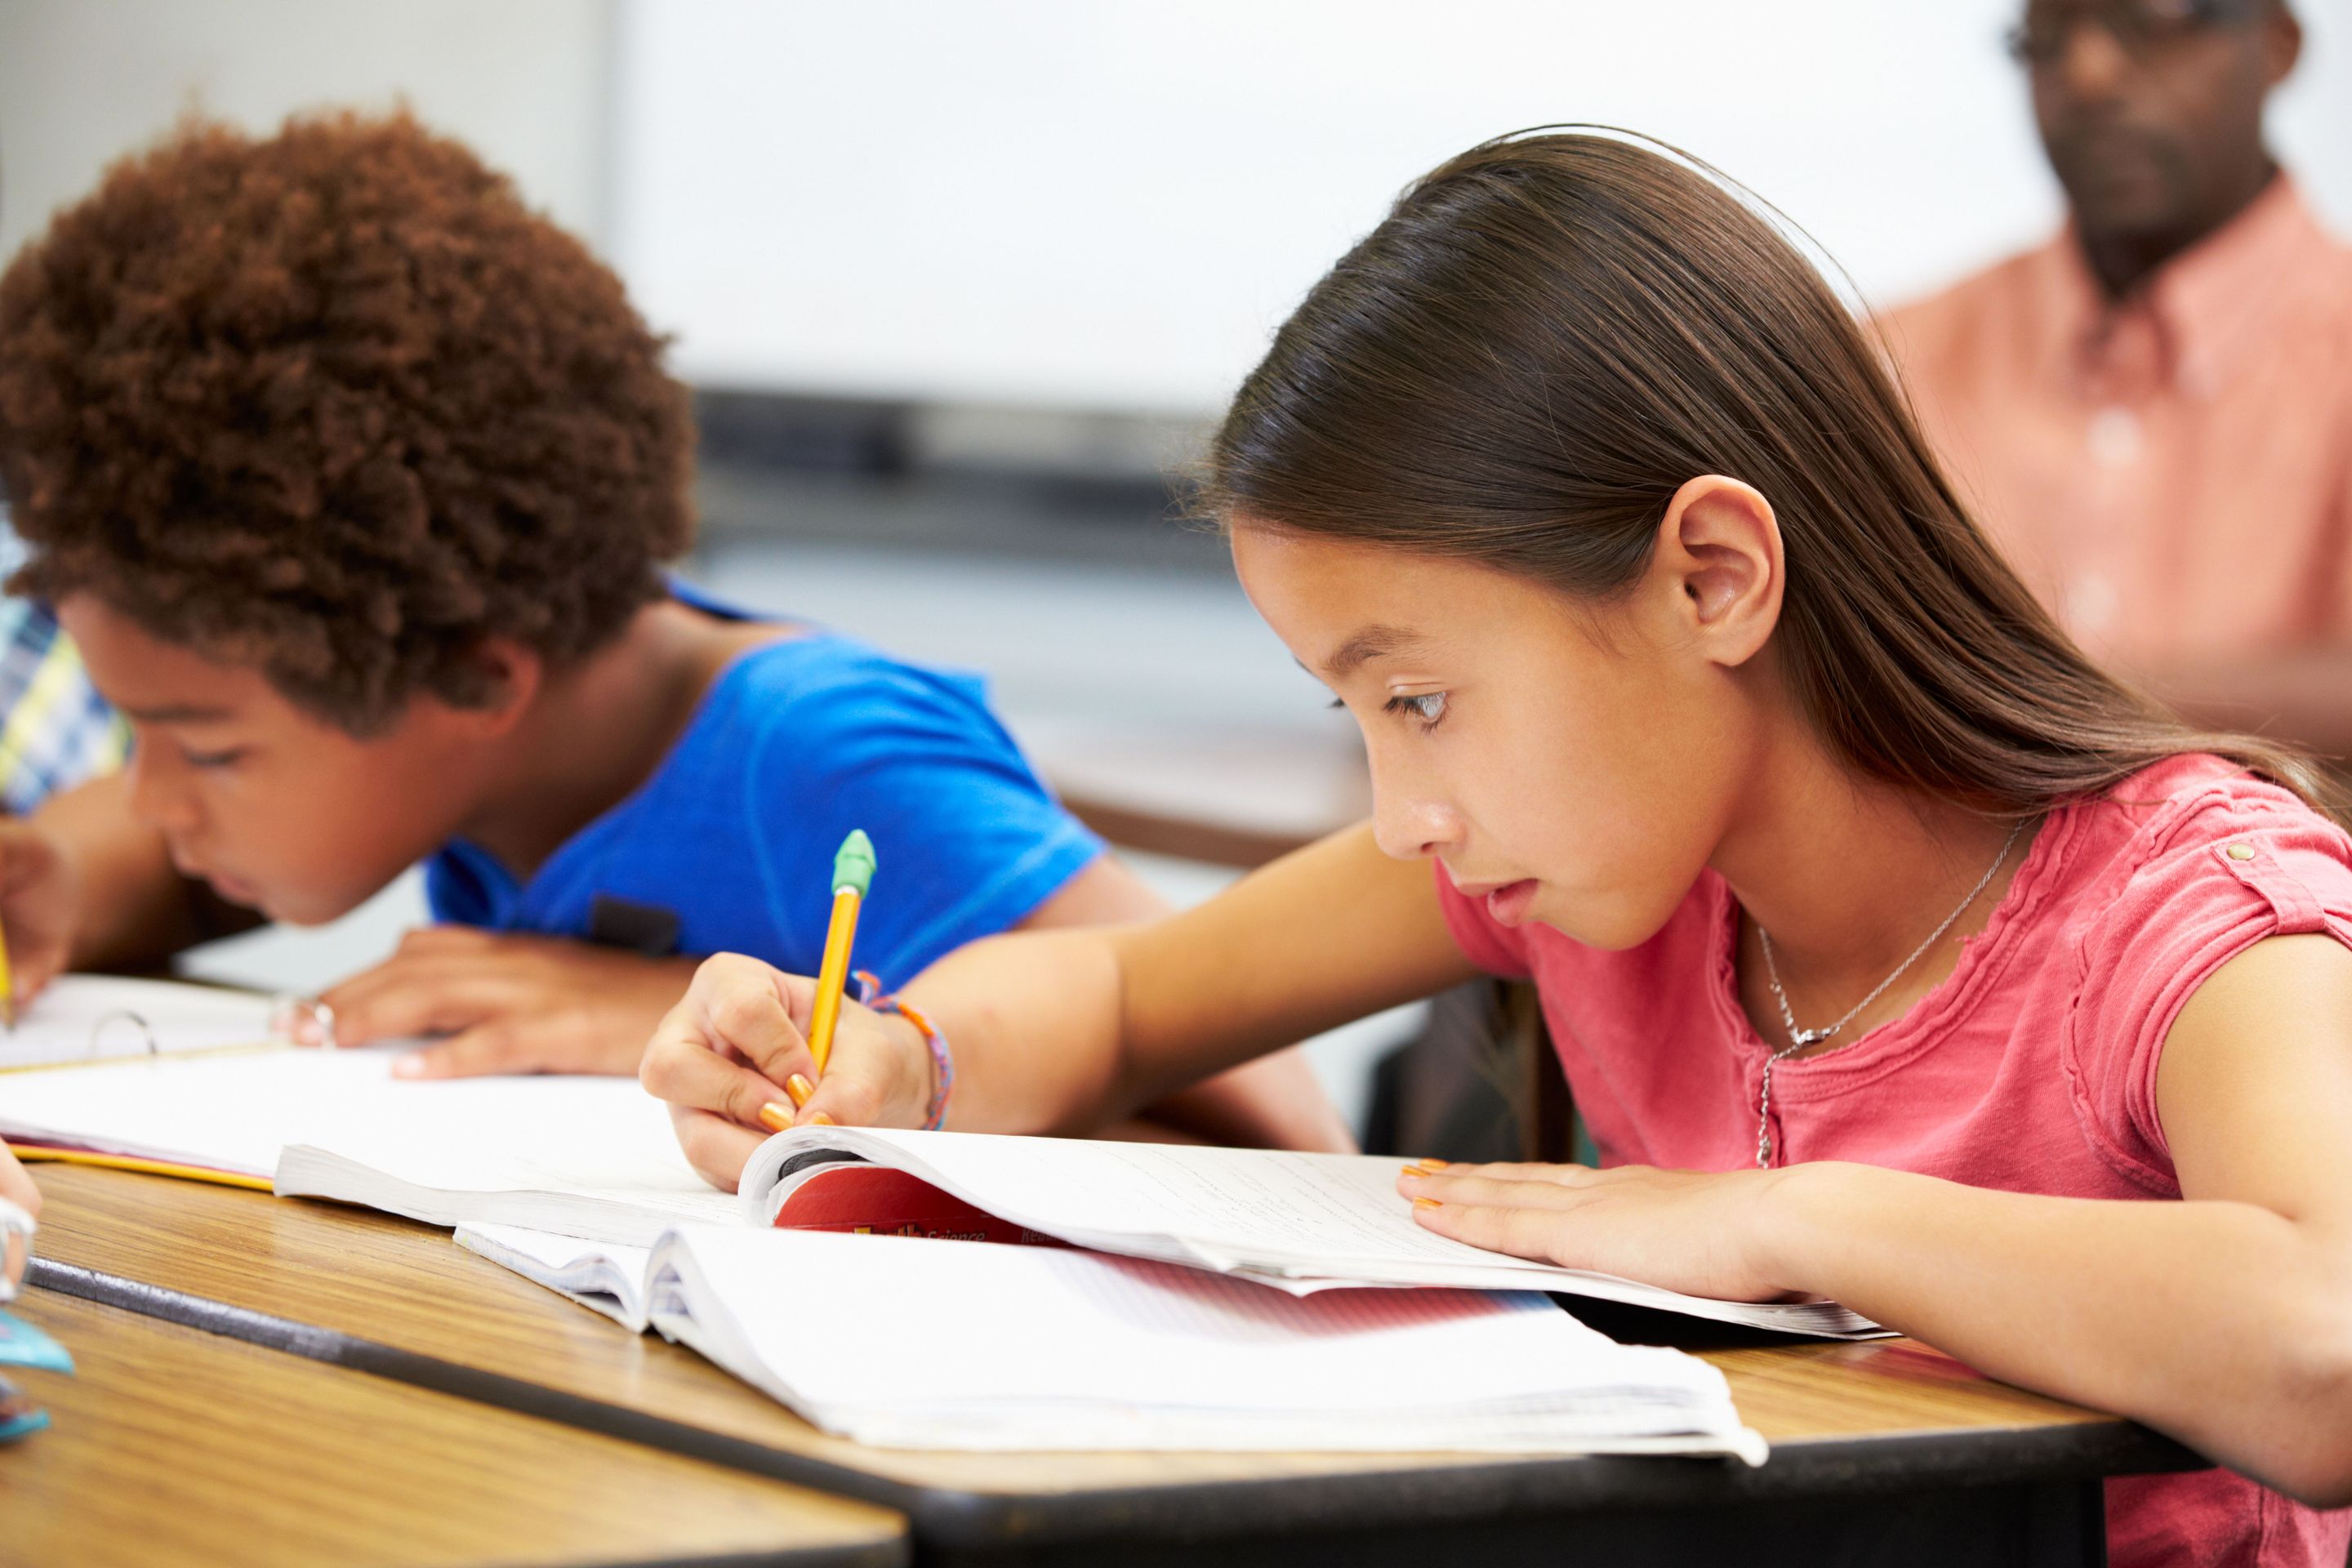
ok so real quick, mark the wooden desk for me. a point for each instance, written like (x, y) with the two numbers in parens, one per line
(173, 1446)
(1890, 1438)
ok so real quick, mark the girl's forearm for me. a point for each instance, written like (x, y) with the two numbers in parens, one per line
(1061, 1030)
(2224, 1324)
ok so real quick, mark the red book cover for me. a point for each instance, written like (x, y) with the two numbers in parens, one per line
(877, 1200)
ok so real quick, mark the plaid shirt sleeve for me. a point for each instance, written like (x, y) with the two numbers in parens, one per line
(55, 728)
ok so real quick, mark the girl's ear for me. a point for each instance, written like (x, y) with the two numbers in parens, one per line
(1718, 558)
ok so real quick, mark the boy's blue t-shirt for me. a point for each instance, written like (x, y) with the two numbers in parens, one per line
(729, 846)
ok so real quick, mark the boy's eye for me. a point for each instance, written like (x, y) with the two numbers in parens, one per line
(211, 759)
(1429, 707)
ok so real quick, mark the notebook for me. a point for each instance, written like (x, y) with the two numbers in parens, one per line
(924, 1343)
(592, 1153)
(78, 1018)
(596, 1159)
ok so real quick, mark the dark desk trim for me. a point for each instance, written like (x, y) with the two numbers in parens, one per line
(1204, 1512)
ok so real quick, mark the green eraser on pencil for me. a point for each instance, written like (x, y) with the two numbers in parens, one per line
(853, 868)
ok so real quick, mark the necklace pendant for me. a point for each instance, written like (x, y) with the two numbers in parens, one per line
(1801, 1038)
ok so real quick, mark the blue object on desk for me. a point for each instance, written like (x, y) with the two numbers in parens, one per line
(18, 1418)
(22, 1345)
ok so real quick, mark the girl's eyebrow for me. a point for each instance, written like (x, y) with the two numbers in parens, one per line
(1370, 643)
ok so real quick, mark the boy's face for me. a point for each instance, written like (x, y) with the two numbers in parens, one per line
(278, 809)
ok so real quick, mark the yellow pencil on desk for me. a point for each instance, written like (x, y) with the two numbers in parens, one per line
(853, 873)
(35, 1153)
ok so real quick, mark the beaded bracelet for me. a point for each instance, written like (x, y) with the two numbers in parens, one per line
(942, 1064)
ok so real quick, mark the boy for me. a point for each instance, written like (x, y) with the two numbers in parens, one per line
(352, 479)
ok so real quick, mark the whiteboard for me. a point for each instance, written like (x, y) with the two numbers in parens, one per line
(1110, 204)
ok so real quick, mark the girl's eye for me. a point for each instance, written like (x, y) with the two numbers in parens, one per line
(1429, 707)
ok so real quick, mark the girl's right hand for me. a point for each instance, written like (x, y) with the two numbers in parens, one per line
(735, 1045)
(39, 896)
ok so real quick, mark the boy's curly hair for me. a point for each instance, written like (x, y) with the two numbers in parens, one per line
(334, 403)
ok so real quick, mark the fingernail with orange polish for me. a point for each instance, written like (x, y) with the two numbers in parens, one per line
(1431, 1164)
(799, 1089)
(775, 1118)
(820, 1120)
(1427, 1204)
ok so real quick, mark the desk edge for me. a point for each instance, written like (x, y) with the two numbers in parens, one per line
(951, 1517)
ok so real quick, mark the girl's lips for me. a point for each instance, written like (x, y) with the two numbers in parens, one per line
(1509, 903)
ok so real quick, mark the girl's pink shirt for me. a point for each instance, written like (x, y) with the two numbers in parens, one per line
(2030, 1068)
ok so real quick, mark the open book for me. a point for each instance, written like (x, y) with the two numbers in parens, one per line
(1300, 1223)
(596, 1159)
(949, 1344)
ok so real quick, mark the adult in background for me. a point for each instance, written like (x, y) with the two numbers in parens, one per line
(2153, 412)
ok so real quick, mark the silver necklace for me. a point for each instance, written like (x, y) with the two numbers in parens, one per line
(1801, 1038)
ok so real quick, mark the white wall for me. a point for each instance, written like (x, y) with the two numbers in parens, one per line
(1097, 202)
(83, 81)
(1072, 202)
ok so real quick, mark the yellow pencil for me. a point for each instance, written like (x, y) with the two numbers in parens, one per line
(853, 873)
(8, 988)
(35, 1153)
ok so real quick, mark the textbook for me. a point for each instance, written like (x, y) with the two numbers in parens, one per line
(1054, 1349)
(596, 1159)
(1299, 1223)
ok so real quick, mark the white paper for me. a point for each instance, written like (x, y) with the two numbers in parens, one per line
(586, 1157)
(231, 1111)
(600, 1276)
(1304, 1221)
(81, 1018)
(1046, 1348)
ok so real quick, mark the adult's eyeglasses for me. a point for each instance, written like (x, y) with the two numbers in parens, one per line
(2141, 27)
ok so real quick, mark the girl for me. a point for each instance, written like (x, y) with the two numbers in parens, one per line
(1893, 951)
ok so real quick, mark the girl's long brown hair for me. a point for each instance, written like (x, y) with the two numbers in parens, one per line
(1550, 333)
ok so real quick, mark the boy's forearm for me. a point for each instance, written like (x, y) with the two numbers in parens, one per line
(2224, 1324)
(133, 910)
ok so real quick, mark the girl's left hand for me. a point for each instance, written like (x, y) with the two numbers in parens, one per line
(1698, 1232)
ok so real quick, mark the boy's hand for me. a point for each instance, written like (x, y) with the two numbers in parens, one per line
(736, 1045)
(18, 1189)
(39, 899)
(510, 1003)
